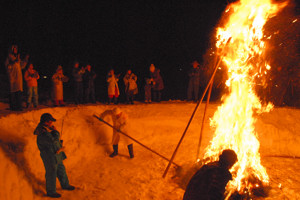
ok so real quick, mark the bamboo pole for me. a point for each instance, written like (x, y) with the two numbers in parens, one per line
(279, 156)
(202, 126)
(191, 118)
(100, 119)
(199, 102)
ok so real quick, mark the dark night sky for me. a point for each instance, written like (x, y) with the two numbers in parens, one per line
(116, 32)
(112, 34)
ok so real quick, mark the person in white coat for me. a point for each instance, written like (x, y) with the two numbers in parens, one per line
(112, 87)
(58, 93)
(120, 122)
(14, 66)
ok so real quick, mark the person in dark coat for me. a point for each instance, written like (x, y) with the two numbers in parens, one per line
(89, 86)
(194, 82)
(131, 87)
(147, 88)
(52, 154)
(78, 86)
(158, 84)
(210, 181)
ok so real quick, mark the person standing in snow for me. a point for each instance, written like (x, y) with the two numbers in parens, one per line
(112, 87)
(131, 88)
(58, 92)
(210, 181)
(158, 84)
(31, 76)
(194, 82)
(89, 86)
(78, 87)
(147, 88)
(52, 154)
(120, 122)
(14, 66)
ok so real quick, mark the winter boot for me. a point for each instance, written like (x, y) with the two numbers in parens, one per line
(54, 195)
(116, 100)
(130, 149)
(109, 101)
(56, 103)
(69, 187)
(115, 147)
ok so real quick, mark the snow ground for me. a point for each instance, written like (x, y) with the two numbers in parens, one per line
(158, 126)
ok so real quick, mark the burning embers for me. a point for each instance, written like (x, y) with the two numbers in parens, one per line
(234, 121)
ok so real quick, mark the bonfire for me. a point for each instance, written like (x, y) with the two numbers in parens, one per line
(243, 44)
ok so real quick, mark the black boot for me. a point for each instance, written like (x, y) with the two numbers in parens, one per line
(130, 149)
(115, 147)
(54, 195)
(116, 101)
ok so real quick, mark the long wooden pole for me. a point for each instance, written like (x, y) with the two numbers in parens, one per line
(100, 119)
(202, 126)
(279, 156)
(199, 102)
(191, 118)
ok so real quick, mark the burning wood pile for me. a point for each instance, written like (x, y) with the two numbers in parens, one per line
(234, 120)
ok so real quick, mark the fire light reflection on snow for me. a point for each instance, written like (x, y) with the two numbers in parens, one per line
(234, 120)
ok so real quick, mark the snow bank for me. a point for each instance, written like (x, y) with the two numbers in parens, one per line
(158, 126)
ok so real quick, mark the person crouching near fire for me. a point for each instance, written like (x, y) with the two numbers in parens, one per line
(210, 181)
(52, 154)
(120, 122)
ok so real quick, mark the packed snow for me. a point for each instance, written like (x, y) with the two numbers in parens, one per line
(87, 144)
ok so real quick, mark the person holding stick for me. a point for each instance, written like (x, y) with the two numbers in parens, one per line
(120, 122)
(210, 180)
(52, 154)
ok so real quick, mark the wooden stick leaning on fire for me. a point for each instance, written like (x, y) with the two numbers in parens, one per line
(100, 119)
(193, 114)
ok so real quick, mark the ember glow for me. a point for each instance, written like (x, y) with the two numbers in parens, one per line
(234, 120)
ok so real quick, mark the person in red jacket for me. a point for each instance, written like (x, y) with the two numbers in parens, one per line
(31, 76)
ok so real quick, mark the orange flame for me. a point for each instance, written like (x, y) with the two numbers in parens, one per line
(244, 58)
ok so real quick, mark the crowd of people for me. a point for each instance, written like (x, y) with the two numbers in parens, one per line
(208, 183)
(83, 79)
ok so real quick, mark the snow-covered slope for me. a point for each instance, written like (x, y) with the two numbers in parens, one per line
(158, 126)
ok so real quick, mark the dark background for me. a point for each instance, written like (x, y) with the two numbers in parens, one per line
(111, 34)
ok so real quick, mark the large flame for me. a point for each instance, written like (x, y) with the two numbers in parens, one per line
(234, 120)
